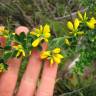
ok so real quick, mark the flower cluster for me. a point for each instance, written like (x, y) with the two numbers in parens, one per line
(74, 27)
(53, 55)
(79, 27)
(84, 19)
(42, 33)
(23, 41)
(91, 23)
(19, 49)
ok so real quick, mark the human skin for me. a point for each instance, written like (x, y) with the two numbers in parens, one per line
(28, 85)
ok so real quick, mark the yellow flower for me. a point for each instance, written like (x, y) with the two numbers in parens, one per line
(76, 24)
(53, 56)
(67, 42)
(57, 58)
(20, 50)
(70, 25)
(93, 20)
(13, 33)
(2, 28)
(45, 54)
(46, 29)
(2, 68)
(82, 18)
(3, 31)
(51, 61)
(91, 23)
(74, 27)
(42, 33)
(36, 42)
(56, 50)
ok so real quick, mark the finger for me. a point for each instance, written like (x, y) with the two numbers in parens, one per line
(9, 78)
(2, 41)
(20, 29)
(44, 46)
(29, 80)
(48, 80)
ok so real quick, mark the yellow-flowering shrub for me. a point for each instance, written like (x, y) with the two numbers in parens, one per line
(81, 33)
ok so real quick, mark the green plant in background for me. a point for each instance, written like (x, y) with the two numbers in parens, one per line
(90, 5)
(54, 12)
(86, 49)
(34, 12)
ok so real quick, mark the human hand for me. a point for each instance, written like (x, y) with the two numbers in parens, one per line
(28, 85)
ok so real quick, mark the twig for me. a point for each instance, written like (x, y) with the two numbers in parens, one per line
(78, 90)
(27, 18)
(67, 16)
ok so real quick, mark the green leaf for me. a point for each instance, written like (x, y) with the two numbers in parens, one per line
(1, 60)
(21, 37)
(6, 66)
(14, 53)
(7, 55)
(7, 48)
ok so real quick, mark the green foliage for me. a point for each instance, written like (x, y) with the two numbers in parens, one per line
(4, 64)
(56, 13)
(90, 5)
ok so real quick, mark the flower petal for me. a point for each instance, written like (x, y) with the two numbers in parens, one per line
(46, 40)
(2, 28)
(18, 53)
(93, 20)
(76, 23)
(56, 59)
(59, 56)
(56, 50)
(44, 54)
(51, 61)
(32, 33)
(90, 25)
(36, 42)
(46, 29)
(2, 68)
(23, 53)
(47, 35)
(67, 41)
(70, 26)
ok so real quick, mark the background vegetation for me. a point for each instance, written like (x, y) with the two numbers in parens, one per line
(31, 13)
